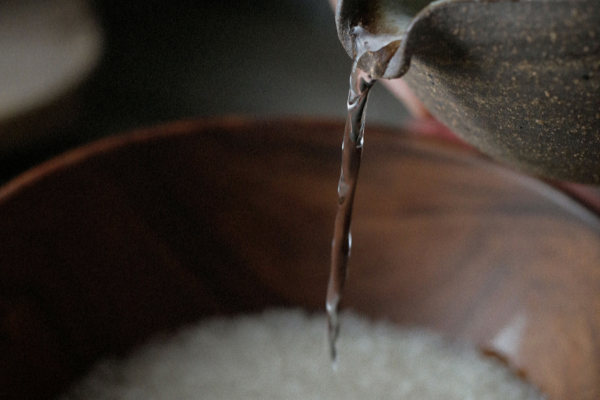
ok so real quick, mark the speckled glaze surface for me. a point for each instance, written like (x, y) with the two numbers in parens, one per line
(520, 80)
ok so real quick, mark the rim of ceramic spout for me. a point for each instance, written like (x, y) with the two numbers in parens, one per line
(390, 56)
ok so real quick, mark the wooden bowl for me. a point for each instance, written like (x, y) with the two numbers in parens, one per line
(114, 242)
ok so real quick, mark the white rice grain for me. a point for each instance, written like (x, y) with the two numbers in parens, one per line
(282, 354)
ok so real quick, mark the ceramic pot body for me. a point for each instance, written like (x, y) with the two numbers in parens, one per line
(518, 80)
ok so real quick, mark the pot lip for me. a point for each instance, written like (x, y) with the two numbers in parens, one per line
(399, 63)
(96, 149)
(403, 54)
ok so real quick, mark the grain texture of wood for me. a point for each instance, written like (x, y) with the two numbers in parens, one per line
(138, 234)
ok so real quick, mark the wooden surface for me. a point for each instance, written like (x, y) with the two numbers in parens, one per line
(114, 242)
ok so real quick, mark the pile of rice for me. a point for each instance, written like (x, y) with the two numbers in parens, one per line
(282, 354)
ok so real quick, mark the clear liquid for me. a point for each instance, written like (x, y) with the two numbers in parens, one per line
(360, 84)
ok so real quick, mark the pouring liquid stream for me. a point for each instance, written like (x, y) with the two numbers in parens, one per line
(364, 43)
(352, 146)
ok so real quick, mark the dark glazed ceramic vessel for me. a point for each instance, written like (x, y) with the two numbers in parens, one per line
(110, 244)
(520, 80)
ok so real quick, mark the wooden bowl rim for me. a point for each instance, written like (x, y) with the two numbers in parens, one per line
(449, 148)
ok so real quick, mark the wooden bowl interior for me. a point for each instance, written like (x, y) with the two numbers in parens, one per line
(110, 244)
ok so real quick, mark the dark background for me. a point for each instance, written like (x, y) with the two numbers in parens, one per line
(169, 60)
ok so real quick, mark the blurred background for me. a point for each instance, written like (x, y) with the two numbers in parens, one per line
(146, 62)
